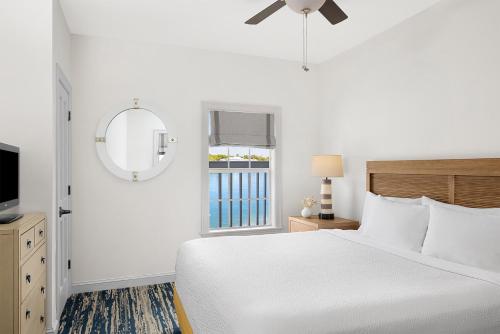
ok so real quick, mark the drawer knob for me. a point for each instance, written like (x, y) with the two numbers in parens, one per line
(28, 244)
(42, 318)
(40, 233)
(42, 260)
(42, 290)
(28, 314)
(28, 278)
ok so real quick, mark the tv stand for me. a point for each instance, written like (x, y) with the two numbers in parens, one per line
(9, 218)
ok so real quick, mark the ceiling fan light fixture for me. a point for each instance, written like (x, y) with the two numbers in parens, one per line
(300, 5)
(328, 8)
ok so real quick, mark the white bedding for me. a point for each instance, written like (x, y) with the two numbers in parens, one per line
(329, 282)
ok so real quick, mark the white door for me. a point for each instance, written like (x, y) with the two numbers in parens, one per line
(63, 228)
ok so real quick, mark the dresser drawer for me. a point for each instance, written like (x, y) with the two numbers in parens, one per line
(299, 227)
(33, 309)
(27, 243)
(40, 232)
(32, 270)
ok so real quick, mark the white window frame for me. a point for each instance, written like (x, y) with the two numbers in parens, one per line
(275, 168)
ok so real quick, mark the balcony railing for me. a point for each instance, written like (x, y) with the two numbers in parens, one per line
(239, 197)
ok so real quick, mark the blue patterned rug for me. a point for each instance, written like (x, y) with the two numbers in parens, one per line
(141, 310)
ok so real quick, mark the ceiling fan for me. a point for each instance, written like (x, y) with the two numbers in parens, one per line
(328, 8)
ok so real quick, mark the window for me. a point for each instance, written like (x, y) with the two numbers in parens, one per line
(241, 169)
(239, 187)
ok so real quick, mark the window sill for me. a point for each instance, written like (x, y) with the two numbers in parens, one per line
(243, 231)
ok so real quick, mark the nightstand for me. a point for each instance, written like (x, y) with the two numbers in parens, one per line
(301, 224)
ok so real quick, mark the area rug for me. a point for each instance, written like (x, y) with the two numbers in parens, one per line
(139, 310)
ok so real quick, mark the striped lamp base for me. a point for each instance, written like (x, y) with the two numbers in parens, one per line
(326, 200)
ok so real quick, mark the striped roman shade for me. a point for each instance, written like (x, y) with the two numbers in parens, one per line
(242, 129)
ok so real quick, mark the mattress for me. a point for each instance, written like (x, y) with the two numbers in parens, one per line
(329, 282)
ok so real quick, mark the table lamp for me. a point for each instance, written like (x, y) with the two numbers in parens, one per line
(327, 166)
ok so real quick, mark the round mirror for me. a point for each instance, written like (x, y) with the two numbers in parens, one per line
(135, 144)
(133, 140)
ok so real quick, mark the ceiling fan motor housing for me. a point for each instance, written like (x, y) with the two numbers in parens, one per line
(300, 5)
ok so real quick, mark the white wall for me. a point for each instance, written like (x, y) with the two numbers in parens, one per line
(26, 97)
(123, 229)
(428, 88)
(61, 40)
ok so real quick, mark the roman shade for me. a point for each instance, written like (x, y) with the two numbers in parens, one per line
(242, 129)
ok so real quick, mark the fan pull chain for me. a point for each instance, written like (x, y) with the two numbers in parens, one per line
(304, 39)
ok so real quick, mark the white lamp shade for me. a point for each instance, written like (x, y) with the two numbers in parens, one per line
(299, 5)
(327, 165)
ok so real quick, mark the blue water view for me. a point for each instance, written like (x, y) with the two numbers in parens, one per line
(255, 209)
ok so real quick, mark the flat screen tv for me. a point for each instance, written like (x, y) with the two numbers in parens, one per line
(9, 178)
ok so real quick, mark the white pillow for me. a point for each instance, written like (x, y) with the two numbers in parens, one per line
(490, 211)
(463, 237)
(399, 225)
(369, 197)
(405, 200)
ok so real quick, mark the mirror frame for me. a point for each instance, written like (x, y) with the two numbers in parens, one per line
(134, 176)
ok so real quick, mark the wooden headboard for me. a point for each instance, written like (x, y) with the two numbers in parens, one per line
(468, 182)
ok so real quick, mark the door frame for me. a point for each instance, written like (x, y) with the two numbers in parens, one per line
(62, 80)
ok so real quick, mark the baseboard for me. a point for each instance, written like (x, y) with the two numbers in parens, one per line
(122, 282)
(52, 330)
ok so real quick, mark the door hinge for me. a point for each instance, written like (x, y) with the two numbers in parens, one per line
(69, 190)
(69, 264)
(69, 115)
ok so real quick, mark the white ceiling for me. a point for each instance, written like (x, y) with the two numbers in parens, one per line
(219, 24)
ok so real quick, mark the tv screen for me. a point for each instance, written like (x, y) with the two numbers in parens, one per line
(9, 176)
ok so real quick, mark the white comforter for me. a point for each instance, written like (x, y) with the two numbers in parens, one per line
(329, 282)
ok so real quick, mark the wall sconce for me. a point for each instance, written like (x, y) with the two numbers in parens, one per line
(162, 143)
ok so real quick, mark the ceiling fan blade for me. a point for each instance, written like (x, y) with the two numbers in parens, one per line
(332, 12)
(267, 12)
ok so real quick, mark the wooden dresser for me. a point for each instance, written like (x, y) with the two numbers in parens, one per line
(23, 275)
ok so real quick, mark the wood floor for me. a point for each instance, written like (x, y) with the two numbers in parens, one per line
(141, 310)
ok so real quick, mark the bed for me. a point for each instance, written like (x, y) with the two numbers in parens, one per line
(339, 281)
